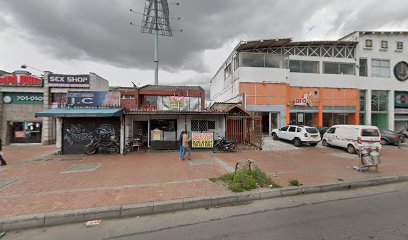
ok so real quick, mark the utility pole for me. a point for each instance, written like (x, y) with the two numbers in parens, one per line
(156, 45)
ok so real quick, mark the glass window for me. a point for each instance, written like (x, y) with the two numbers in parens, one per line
(362, 100)
(339, 68)
(283, 128)
(347, 68)
(369, 43)
(299, 130)
(400, 45)
(294, 66)
(274, 61)
(370, 133)
(211, 124)
(380, 68)
(384, 44)
(252, 60)
(194, 125)
(236, 62)
(311, 130)
(227, 71)
(363, 67)
(292, 129)
(331, 68)
(310, 66)
(379, 101)
(150, 100)
(331, 130)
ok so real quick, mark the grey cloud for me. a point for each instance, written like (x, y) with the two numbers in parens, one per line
(99, 29)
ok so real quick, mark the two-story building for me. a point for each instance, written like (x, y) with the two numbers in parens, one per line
(358, 79)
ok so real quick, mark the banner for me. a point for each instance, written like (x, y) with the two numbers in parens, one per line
(156, 135)
(67, 81)
(401, 99)
(20, 80)
(23, 98)
(92, 99)
(202, 140)
(176, 102)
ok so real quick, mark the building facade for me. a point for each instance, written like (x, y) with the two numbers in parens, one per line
(22, 95)
(359, 79)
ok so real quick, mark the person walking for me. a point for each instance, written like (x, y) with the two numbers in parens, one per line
(181, 145)
(2, 161)
(186, 145)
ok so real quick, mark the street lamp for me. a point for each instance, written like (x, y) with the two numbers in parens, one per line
(25, 67)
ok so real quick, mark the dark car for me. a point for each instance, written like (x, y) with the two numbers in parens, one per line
(322, 131)
(390, 138)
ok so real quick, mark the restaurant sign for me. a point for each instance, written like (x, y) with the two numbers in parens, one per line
(68, 81)
(20, 81)
(202, 140)
(306, 100)
(23, 98)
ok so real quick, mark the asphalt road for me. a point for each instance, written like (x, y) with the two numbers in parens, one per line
(369, 213)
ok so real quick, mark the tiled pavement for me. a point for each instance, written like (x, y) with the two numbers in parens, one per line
(37, 183)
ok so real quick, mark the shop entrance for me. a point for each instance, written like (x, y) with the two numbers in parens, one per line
(140, 130)
(269, 123)
(25, 132)
(163, 134)
(304, 118)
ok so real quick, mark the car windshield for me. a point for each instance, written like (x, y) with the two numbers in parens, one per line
(370, 133)
(311, 130)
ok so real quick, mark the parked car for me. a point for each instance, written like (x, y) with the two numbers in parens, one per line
(390, 137)
(352, 137)
(299, 135)
(404, 133)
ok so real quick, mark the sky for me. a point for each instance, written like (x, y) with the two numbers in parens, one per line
(78, 37)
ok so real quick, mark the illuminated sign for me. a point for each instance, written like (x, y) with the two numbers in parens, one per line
(306, 100)
(67, 81)
(20, 80)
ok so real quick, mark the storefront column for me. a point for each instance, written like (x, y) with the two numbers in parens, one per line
(269, 126)
(287, 104)
(148, 132)
(391, 111)
(357, 115)
(320, 122)
(368, 107)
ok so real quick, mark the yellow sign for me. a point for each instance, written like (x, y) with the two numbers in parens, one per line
(156, 135)
(202, 140)
(176, 102)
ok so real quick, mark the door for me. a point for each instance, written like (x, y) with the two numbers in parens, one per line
(282, 132)
(291, 133)
(330, 136)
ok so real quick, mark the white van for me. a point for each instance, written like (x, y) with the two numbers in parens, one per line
(352, 137)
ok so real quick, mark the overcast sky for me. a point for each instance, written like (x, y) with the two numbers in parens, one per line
(81, 36)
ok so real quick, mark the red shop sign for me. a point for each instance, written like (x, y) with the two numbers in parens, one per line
(20, 80)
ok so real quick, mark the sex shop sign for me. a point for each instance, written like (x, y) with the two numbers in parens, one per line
(68, 81)
(20, 81)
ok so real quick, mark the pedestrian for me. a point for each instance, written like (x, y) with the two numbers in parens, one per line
(2, 161)
(181, 145)
(186, 145)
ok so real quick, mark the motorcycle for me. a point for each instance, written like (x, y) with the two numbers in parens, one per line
(98, 145)
(223, 145)
(131, 143)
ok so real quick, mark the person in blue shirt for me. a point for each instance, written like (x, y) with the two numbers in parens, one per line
(181, 145)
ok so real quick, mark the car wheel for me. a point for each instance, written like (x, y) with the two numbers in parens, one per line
(384, 141)
(351, 149)
(325, 143)
(297, 142)
(275, 136)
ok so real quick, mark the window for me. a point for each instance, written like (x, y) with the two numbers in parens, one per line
(369, 43)
(331, 130)
(128, 97)
(384, 44)
(339, 68)
(227, 71)
(283, 128)
(274, 61)
(202, 125)
(362, 100)
(400, 45)
(299, 130)
(292, 129)
(311, 130)
(150, 100)
(380, 68)
(252, 60)
(370, 133)
(236, 62)
(363, 67)
(304, 66)
(379, 101)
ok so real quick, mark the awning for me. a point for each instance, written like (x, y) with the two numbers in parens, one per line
(81, 112)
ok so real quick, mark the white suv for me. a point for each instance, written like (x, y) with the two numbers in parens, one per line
(298, 135)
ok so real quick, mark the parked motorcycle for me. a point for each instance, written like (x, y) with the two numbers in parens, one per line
(98, 145)
(223, 145)
(131, 143)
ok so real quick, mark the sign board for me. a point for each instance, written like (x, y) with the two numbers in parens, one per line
(306, 100)
(92, 99)
(23, 98)
(20, 80)
(401, 99)
(156, 135)
(176, 102)
(68, 81)
(202, 140)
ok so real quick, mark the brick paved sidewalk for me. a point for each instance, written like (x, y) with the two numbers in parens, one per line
(33, 184)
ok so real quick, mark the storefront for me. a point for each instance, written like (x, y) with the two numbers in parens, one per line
(401, 111)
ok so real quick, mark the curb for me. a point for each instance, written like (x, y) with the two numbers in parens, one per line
(123, 211)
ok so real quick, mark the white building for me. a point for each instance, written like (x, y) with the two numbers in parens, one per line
(361, 78)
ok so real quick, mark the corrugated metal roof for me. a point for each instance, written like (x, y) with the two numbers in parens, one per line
(167, 88)
(81, 112)
(174, 113)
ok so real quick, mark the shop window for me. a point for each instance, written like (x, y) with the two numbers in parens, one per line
(380, 68)
(26, 132)
(339, 68)
(400, 45)
(384, 44)
(304, 66)
(379, 101)
(363, 67)
(368, 43)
